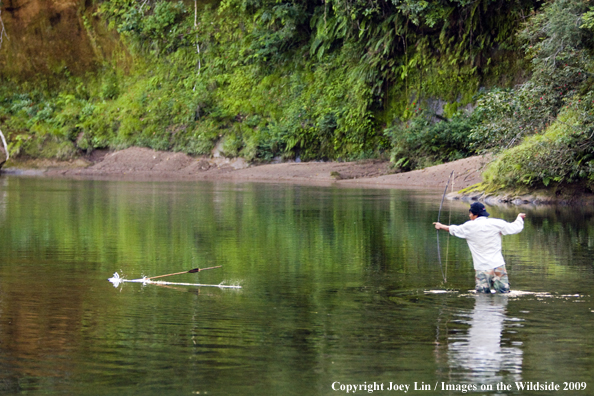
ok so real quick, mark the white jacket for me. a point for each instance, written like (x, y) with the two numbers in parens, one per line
(484, 239)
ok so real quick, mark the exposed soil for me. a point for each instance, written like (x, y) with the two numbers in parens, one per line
(145, 164)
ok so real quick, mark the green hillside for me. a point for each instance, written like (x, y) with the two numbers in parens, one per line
(419, 82)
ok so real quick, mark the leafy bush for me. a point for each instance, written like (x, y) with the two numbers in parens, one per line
(559, 52)
(552, 113)
(563, 154)
(425, 141)
(161, 27)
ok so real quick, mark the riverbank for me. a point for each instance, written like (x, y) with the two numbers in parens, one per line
(554, 195)
(137, 163)
(143, 164)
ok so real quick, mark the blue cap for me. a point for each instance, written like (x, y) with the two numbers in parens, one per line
(478, 209)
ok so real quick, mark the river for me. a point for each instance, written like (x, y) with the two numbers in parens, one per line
(341, 288)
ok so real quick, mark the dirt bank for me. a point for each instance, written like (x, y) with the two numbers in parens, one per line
(144, 164)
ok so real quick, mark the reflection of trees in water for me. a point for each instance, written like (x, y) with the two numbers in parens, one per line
(3, 195)
(479, 354)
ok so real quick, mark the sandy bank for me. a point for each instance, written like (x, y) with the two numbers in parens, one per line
(144, 164)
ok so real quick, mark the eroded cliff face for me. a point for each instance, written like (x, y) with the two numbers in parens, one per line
(46, 37)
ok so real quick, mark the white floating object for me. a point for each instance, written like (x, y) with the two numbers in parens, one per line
(116, 280)
(147, 281)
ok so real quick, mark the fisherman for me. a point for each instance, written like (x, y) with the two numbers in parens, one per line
(483, 236)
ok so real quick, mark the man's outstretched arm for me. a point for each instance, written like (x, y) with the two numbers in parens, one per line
(439, 226)
(514, 227)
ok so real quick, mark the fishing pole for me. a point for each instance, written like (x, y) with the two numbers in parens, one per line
(194, 270)
(438, 216)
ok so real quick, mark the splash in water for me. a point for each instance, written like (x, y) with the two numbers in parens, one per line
(116, 280)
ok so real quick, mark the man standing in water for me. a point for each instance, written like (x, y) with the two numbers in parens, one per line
(484, 240)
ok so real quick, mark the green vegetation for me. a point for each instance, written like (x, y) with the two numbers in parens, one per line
(551, 115)
(419, 82)
(422, 142)
(270, 78)
(562, 154)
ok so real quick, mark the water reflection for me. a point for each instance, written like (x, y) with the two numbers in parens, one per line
(481, 355)
(332, 292)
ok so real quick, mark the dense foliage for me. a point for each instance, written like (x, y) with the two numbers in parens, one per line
(423, 142)
(552, 114)
(279, 78)
(562, 154)
(422, 82)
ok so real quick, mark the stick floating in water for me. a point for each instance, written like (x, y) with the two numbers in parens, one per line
(192, 271)
(116, 280)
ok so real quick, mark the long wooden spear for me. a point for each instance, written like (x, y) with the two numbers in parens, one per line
(185, 272)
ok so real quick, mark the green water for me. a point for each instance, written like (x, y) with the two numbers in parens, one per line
(333, 293)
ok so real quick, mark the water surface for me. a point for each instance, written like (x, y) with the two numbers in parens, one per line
(333, 281)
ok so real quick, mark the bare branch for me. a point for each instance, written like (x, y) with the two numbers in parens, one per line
(5, 148)
(2, 29)
(140, 9)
